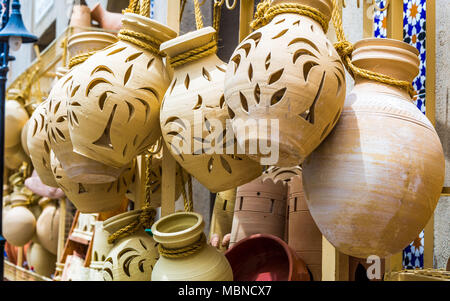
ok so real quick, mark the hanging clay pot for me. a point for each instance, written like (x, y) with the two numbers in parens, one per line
(374, 183)
(15, 156)
(92, 198)
(15, 118)
(303, 235)
(260, 208)
(192, 108)
(116, 96)
(107, 20)
(80, 19)
(223, 212)
(100, 246)
(78, 168)
(181, 230)
(132, 257)
(23, 138)
(264, 257)
(47, 226)
(287, 71)
(41, 261)
(19, 224)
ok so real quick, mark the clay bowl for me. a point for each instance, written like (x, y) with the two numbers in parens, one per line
(265, 257)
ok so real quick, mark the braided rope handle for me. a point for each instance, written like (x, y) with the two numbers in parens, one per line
(183, 252)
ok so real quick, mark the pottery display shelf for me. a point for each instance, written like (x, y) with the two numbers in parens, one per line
(13, 272)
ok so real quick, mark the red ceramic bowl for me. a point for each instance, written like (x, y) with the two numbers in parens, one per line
(264, 257)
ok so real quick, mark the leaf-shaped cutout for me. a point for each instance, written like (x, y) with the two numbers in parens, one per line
(134, 141)
(341, 72)
(150, 63)
(301, 52)
(67, 80)
(255, 37)
(126, 264)
(280, 34)
(187, 81)
(105, 139)
(116, 51)
(280, 21)
(267, 62)
(133, 57)
(303, 40)
(199, 102)
(109, 272)
(237, 60)
(206, 74)
(53, 135)
(307, 67)
(250, 72)
(221, 69)
(175, 119)
(246, 47)
(274, 77)
(339, 84)
(46, 148)
(244, 102)
(110, 187)
(130, 110)
(210, 164)
(143, 244)
(221, 101)
(60, 133)
(94, 83)
(102, 99)
(127, 75)
(225, 164)
(147, 107)
(56, 107)
(61, 119)
(42, 122)
(44, 163)
(35, 128)
(277, 96)
(312, 28)
(257, 93)
(173, 86)
(75, 104)
(75, 119)
(296, 23)
(81, 189)
(312, 108)
(336, 117)
(231, 113)
(102, 68)
(141, 265)
(151, 91)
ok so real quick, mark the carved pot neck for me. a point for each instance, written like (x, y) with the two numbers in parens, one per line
(147, 26)
(121, 220)
(324, 6)
(89, 41)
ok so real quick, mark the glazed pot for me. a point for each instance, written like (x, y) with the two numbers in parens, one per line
(92, 198)
(223, 212)
(115, 110)
(180, 230)
(264, 257)
(303, 235)
(47, 225)
(80, 19)
(260, 208)
(15, 118)
(78, 168)
(288, 71)
(372, 191)
(106, 19)
(100, 246)
(132, 257)
(41, 261)
(192, 108)
(19, 223)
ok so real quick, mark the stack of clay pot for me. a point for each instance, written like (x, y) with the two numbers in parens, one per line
(260, 208)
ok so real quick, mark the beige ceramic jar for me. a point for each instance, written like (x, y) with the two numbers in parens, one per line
(192, 107)
(115, 110)
(132, 257)
(77, 167)
(47, 225)
(181, 230)
(15, 118)
(374, 183)
(41, 261)
(19, 223)
(287, 71)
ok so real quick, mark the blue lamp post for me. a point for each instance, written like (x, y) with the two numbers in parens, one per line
(12, 34)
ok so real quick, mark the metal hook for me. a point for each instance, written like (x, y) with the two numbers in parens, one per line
(231, 7)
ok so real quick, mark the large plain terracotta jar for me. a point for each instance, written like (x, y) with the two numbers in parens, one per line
(77, 167)
(191, 108)
(260, 208)
(133, 257)
(374, 183)
(303, 235)
(41, 261)
(19, 223)
(181, 230)
(115, 110)
(47, 225)
(288, 71)
(15, 118)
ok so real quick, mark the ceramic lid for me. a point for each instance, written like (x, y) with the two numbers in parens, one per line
(189, 41)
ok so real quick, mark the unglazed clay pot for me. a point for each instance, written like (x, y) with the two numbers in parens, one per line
(15, 118)
(15, 156)
(77, 167)
(100, 246)
(106, 19)
(260, 208)
(132, 257)
(180, 230)
(81, 17)
(41, 261)
(47, 225)
(303, 235)
(92, 198)
(23, 138)
(284, 174)
(287, 71)
(115, 109)
(223, 212)
(264, 257)
(192, 108)
(19, 223)
(374, 183)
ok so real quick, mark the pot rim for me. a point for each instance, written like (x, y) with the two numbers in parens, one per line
(159, 30)
(179, 234)
(90, 35)
(385, 42)
(112, 222)
(188, 41)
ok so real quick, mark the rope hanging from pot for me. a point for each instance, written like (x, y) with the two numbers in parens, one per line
(185, 251)
(80, 58)
(345, 50)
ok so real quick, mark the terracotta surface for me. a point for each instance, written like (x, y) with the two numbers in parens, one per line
(81, 17)
(106, 19)
(191, 108)
(19, 223)
(263, 257)
(47, 225)
(374, 183)
(260, 208)
(13, 251)
(115, 106)
(288, 71)
(179, 230)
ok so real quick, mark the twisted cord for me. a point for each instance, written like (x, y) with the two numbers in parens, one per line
(198, 15)
(142, 40)
(133, 7)
(185, 251)
(183, 5)
(194, 54)
(345, 49)
(217, 11)
(145, 220)
(145, 8)
(188, 202)
(80, 58)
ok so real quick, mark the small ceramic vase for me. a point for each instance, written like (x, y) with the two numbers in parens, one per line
(260, 208)
(107, 20)
(100, 246)
(287, 71)
(15, 118)
(180, 230)
(192, 108)
(92, 198)
(223, 212)
(80, 19)
(115, 108)
(47, 226)
(41, 261)
(374, 183)
(78, 168)
(132, 257)
(19, 224)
